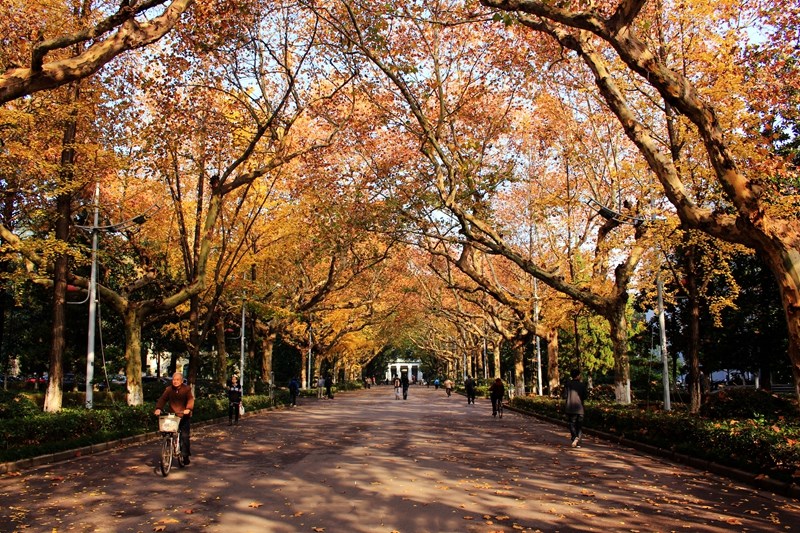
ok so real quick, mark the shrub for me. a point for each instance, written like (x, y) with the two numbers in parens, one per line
(757, 444)
(37, 433)
(15, 404)
(746, 402)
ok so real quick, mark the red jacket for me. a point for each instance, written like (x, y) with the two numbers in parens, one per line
(179, 399)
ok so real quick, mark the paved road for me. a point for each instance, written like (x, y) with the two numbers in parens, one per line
(365, 462)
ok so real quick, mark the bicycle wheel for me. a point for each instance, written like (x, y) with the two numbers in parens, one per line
(178, 453)
(166, 455)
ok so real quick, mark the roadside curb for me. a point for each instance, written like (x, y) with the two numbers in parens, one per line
(759, 481)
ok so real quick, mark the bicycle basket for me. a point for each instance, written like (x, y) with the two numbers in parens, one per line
(168, 423)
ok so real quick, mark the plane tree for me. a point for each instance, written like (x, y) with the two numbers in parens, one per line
(711, 86)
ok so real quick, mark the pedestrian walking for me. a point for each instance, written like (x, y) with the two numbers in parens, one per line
(328, 385)
(396, 383)
(234, 401)
(469, 387)
(575, 394)
(294, 390)
(321, 387)
(404, 384)
(436, 384)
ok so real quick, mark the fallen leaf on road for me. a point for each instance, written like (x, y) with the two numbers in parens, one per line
(255, 505)
(159, 528)
(188, 511)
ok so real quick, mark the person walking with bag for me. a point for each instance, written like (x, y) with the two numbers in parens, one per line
(234, 401)
(396, 383)
(574, 394)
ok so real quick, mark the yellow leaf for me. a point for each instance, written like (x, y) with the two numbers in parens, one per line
(255, 505)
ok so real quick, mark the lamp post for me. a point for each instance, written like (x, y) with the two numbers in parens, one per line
(536, 336)
(310, 352)
(95, 230)
(663, 339)
(242, 347)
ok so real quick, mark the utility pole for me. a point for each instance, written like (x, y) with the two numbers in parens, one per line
(242, 346)
(92, 302)
(663, 335)
(95, 230)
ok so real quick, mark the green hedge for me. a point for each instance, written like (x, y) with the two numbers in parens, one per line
(757, 445)
(26, 431)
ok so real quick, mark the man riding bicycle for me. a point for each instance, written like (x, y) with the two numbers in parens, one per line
(181, 401)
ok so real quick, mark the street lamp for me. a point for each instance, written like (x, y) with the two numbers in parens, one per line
(95, 230)
(620, 218)
(242, 346)
(536, 335)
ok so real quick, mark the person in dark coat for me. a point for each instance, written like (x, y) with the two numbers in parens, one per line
(404, 383)
(294, 390)
(469, 387)
(234, 400)
(575, 393)
(328, 385)
(496, 392)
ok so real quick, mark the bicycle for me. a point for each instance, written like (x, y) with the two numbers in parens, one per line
(170, 443)
(497, 408)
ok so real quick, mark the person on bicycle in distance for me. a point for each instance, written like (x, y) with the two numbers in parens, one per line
(496, 391)
(181, 401)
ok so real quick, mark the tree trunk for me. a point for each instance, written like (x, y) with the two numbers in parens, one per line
(784, 262)
(267, 346)
(519, 369)
(250, 354)
(693, 345)
(553, 374)
(222, 352)
(194, 339)
(496, 355)
(619, 341)
(53, 397)
(132, 323)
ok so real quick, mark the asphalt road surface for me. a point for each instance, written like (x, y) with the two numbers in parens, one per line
(365, 462)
